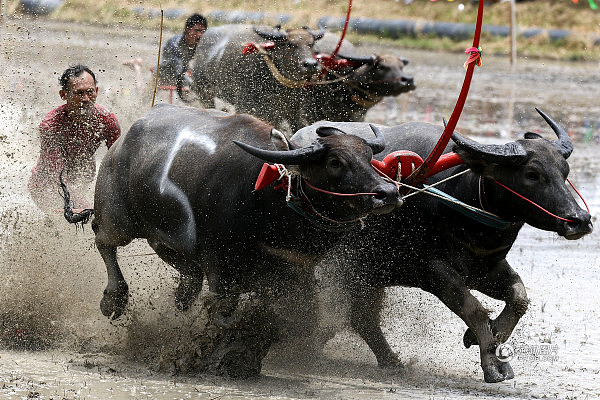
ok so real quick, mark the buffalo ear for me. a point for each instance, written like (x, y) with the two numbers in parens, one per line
(279, 141)
(474, 161)
(531, 135)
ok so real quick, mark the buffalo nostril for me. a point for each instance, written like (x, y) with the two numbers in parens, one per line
(576, 222)
(385, 193)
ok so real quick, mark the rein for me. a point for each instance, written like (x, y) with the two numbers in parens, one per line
(293, 83)
(482, 192)
(475, 56)
(339, 44)
(300, 202)
(388, 179)
(282, 79)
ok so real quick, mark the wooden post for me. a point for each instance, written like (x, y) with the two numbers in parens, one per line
(513, 33)
(513, 66)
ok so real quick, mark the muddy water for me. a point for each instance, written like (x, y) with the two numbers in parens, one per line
(53, 277)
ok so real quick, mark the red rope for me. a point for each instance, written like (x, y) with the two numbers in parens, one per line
(338, 194)
(420, 173)
(354, 194)
(579, 194)
(540, 207)
(337, 48)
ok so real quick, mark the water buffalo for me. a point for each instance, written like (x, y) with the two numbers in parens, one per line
(236, 62)
(178, 180)
(357, 83)
(446, 253)
(345, 92)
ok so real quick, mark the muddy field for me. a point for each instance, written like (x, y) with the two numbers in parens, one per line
(53, 277)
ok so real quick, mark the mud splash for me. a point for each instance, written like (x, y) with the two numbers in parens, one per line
(56, 344)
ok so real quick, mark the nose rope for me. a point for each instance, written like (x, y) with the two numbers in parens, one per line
(537, 205)
(384, 176)
(579, 194)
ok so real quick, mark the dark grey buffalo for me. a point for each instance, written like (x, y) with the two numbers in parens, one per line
(177, 179)
(429, 245)
(246, 79)
(353, 86)
(292, 91)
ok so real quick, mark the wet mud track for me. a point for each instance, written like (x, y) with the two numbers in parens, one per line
(53, 276)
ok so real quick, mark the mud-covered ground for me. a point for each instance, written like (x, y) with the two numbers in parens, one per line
(52, 276)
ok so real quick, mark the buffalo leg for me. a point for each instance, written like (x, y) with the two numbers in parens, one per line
(365, 320)
(191, 275)
(449, 287)
(115, 299)
(502, 283)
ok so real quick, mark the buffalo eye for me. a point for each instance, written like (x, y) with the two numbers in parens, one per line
(533, 176)
(335, 163)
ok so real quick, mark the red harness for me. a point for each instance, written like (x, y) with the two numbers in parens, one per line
(396, 165)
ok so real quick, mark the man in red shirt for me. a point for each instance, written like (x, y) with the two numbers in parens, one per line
(69, 138)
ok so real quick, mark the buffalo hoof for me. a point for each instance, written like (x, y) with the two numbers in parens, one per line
(391, 362)
(491, 374)
(114, 300)
(507, 371)
(469, 339)
(187, 292)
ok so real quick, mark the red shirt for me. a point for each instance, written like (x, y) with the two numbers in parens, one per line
(69, 145)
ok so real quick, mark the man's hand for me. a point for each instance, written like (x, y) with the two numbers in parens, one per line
(184, 86)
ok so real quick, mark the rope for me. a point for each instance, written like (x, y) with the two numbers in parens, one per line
(336, 193)
(293, 83)
(421, 172)
(287, 82)
(579, 194)
(537, 205)
(417, 190)
(337, 48)
(302, 205)
(477, 214)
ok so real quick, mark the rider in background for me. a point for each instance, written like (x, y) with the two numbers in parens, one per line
(69, 137)
(178, 51)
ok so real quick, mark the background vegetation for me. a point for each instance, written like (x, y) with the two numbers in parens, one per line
(578, 17)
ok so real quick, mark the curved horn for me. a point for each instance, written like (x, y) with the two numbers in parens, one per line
(511, 152)
(274, 34)
(317, 35)
(360, 60)
(564, 144)
(377, 144)
(294, 157)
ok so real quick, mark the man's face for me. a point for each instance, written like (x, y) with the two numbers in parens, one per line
(193, 34)
(81, 94)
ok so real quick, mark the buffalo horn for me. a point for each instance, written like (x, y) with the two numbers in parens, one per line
(293, 157)
(360, 60)
(377, 144)
(274, 34)
(508, 153)
(317, 35)
(564, 144)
